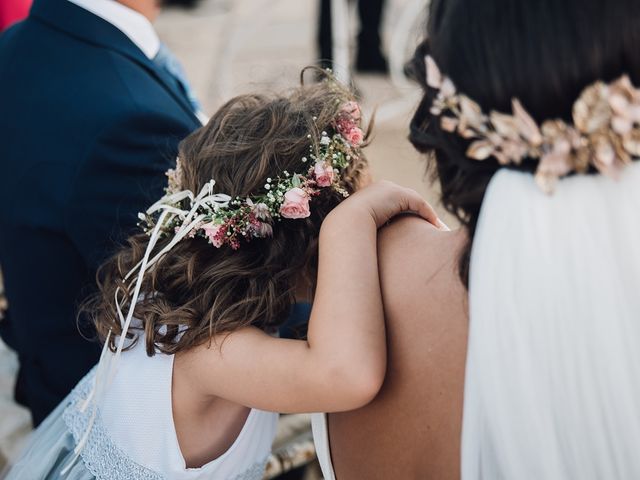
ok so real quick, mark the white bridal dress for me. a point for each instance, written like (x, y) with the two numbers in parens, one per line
(552, 387)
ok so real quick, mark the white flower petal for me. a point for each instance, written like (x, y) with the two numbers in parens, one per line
(434, 77)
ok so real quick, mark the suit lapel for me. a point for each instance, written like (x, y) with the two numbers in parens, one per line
(80, 23)
(167, 81)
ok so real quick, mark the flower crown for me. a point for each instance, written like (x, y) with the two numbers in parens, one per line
(605, 133)
(223, 220)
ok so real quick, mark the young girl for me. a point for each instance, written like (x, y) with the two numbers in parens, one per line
(189, 312)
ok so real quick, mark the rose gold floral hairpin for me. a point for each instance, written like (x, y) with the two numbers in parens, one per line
(605, 133)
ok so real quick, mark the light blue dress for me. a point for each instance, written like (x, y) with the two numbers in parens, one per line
(133, 435)
(51, 449)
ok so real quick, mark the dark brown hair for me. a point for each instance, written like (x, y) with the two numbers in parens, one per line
(542, 52)
(196, 290)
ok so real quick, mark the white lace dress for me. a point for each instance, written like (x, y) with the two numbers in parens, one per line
(133, 436)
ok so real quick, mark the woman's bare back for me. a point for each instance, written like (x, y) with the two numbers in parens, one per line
(412, 429)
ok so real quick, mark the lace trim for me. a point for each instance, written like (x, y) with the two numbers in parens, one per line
(254, 473)
(100, 455)
(103, 458)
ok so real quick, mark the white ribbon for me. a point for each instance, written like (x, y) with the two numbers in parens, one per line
(107, 364)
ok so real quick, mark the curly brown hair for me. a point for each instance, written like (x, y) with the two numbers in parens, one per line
(197, 291)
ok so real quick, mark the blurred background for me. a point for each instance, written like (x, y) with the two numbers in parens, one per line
(228, 47)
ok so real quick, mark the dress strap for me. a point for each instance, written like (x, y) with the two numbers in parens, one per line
(323, 448)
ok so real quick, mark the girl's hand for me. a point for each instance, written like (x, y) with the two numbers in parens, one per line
(384, 200)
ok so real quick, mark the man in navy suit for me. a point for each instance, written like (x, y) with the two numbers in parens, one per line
(90, 117)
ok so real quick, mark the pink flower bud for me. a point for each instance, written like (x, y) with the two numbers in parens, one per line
(352, 109)
(324, 174)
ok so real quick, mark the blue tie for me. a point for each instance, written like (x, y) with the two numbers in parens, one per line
(167, 61)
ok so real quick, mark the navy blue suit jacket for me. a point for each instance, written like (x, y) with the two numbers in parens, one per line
(88, 125)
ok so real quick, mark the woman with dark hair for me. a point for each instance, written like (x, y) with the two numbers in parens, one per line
(511, 341)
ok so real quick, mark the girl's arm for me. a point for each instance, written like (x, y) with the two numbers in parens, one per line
(342, 364)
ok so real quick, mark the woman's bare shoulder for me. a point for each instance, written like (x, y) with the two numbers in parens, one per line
(419, 263)
(419, 407)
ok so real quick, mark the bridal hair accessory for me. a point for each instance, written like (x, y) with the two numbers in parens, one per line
(605, 133)
(223, 220)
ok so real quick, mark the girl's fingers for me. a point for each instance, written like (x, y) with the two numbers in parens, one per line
(420, 206)
(385, 200)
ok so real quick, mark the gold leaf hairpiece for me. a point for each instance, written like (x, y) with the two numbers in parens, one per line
(605, 133)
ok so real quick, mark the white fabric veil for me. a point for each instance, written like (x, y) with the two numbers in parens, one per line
(553, 369)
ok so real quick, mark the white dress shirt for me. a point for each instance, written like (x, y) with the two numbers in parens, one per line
(133, 24)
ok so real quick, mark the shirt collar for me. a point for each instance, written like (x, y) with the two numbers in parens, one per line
(133, 24)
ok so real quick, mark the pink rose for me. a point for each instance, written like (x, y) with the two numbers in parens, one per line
(296, 204)
(215, 233)
(355, 136)
(344, 124)
(352, 109)
(324, 174)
